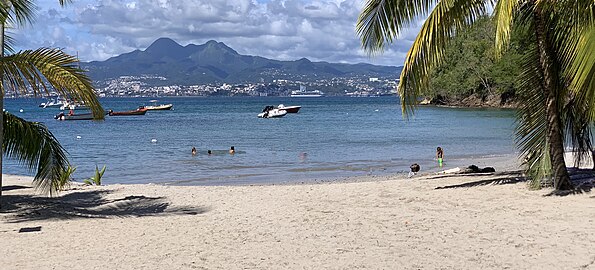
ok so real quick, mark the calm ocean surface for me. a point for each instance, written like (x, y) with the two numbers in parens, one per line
(330, 137)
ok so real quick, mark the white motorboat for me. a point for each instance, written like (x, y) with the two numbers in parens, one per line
(51, 103)
(289, 109)
(73, 105)
(155, 107)
(271, 112)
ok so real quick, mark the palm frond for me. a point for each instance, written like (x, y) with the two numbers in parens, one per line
(448, 17)
(581, 70)
(37, 68)
(17, 12)
(578, 127)
(532, 124)
(504, 18)
(35, 146)
(381, 21)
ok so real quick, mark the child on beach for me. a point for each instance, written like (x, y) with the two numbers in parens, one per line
(439, 156)
(414, 169)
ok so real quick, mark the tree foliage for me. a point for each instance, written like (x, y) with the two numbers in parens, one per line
(470, 65)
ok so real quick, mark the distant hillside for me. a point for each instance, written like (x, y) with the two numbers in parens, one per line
(216, 62)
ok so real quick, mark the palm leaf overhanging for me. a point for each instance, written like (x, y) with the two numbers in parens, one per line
(35, 147)
(559, 72)
(35, 69)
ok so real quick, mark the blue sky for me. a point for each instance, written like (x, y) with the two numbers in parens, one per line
(322, 30)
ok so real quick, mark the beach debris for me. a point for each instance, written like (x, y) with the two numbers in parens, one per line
(154, 140)
(30, 229)
(453, 170)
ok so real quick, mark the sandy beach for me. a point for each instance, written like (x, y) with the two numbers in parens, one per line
(390, 222)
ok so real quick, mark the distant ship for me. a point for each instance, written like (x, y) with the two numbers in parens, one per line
(303, 93)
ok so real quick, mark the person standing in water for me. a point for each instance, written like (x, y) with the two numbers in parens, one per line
(439, 156)
(232, 150)
(193, 151)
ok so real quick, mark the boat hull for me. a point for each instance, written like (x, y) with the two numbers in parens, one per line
(135, 112)
(275, 113)
(65, 117)
(159, 107)
(290, 109)
(305, 95)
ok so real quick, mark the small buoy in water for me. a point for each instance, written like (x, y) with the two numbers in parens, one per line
(154, 140)
(21, 110)
(376, 110)
(78, 137)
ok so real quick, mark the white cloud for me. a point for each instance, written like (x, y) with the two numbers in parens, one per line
(320, 30)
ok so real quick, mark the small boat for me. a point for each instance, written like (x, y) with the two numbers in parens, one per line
(155, 107)
(289, 109)
(271, 112)
(73, 105)
(51, 103)
(140, 111)
(83, 116)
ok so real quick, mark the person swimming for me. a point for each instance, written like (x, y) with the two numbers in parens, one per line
(439, 156)
(232, 150)
(209, 152)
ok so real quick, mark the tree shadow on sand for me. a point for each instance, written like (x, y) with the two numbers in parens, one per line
(499, 179)
(582, 179)
(88, 204)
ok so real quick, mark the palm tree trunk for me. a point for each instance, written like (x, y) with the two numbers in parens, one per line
(1, 108)
(551, 86)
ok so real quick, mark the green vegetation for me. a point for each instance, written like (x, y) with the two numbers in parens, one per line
(36, 71)
(65, 178)
(557, 69)
(95, 179)
(470, 66)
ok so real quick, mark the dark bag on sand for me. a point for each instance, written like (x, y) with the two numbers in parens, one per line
(475, 169)
(488, 169)
(414, 167)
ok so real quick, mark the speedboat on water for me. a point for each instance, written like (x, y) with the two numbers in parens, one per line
(271, 112)
(289, 109)
(71, 116)
(156, 107)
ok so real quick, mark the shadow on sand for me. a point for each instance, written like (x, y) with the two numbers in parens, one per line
(582, 179)
(499, 179)
(88, 204)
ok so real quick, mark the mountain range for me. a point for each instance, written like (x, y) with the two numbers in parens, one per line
(216, 62)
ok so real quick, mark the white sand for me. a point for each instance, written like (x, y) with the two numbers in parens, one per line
(376, 223)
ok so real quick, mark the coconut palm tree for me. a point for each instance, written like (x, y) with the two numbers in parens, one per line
(36, 71)
(557, 81)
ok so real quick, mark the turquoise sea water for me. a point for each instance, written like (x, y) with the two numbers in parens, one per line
(330, 137)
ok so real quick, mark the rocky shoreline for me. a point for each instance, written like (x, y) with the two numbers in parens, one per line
(503, 101)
